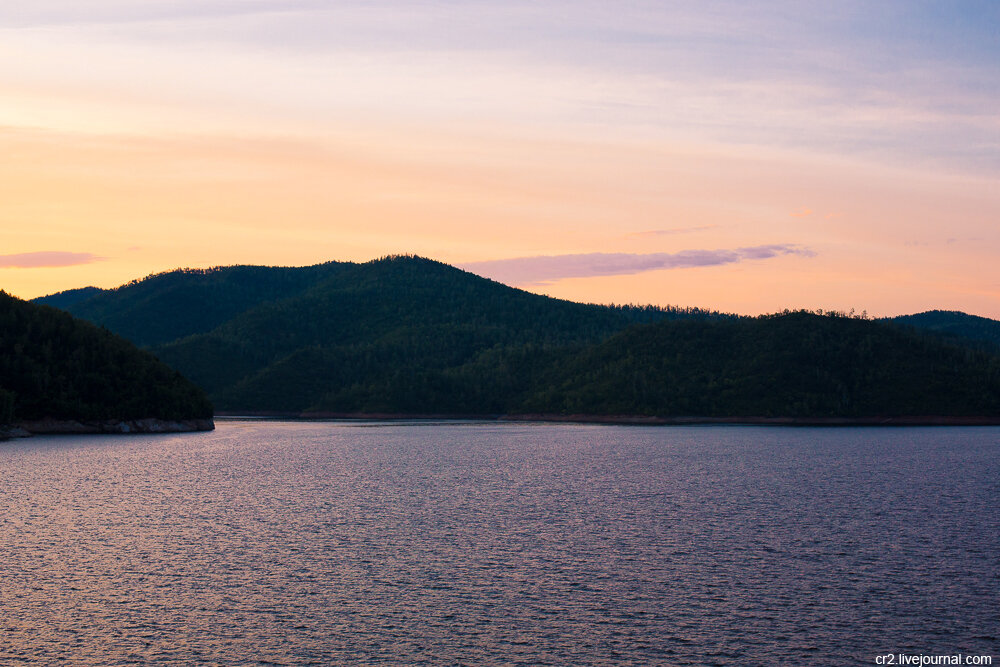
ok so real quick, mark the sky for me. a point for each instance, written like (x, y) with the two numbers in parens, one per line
(744, 157)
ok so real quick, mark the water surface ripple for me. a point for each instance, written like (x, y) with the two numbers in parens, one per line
(477, 544)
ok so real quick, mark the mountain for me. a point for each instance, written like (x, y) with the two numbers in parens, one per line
(407, 335)
(955, 326)
(55, 368)
(791, 365)
(284, 339)
(169, 306)
(69, 298)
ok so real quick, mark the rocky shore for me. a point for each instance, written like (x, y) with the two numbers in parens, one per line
(73, 427)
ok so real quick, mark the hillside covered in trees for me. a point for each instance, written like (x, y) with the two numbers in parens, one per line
(407, 335)
(957, 327)
(237, 331)
(54, 367)
(794, 365)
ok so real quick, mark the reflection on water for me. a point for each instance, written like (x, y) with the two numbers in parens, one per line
(322, 543)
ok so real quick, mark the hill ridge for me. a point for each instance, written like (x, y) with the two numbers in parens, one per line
(59, 373)
(405, 334)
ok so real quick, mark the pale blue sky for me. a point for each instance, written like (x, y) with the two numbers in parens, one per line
(893, 80)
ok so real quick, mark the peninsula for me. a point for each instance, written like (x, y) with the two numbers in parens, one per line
(59, 374)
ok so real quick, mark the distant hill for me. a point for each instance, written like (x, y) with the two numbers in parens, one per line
(955, 326)
(57, 368)
(169, 306)
(794, 365)
(272, 338)
(69, 298)
(407, 335)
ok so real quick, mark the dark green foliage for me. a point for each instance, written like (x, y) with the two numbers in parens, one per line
(344, 336)
(168, 306)
(55, 366)
(414, 336)
(795, 364)
(956, 327)
(70, 298)
(210, 362)
(6, 407)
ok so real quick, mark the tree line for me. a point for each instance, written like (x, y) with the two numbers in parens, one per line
(55, 366)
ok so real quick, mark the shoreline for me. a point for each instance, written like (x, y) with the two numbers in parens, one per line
(634, 420)
(27, 429)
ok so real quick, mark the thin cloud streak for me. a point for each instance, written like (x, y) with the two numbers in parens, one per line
(546, 269)
(767, 74)
(47, 259)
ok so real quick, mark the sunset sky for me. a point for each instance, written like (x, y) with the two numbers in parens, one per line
(746, 157)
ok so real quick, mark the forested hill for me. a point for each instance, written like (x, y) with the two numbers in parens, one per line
(169, 306)
(56, 367)
(956, 326)
(406, 335)
(790, 365)
(237, 330)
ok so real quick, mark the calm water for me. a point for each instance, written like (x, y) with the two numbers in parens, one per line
(324, 543)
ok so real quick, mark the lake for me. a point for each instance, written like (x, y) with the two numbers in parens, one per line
(283, 543)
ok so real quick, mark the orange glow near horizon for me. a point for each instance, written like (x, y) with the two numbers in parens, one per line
(139, 152)
(153, 204)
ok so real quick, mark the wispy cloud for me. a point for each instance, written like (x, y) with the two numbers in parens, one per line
(47, 259)
(774, 74)
(544, 269)
(653, 233)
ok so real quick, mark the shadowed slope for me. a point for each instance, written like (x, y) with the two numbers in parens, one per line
(53, 366)
(956, 326)
(168, 306)
(796, 364)
(407, 335)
